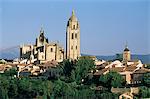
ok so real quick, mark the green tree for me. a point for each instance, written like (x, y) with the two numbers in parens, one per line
(119, 57)
(83, 66)
(11, 72)
(111, 79)
(48, 89)
(144, 92)
(13, 88)
(3, 93)
(63, 89)
(25, 88)
(37, 87)
(68, 66)
(57, 90)
(146, 79)
(4, 84)
(54, 73)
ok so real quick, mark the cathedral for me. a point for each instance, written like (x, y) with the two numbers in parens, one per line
(43, 51)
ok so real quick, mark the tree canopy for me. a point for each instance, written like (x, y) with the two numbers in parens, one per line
(83, 66)
(146, 79)
(111, 79)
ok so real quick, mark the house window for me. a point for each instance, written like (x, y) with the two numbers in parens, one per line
(76, 47)
(51, 49)
(71, 47)
(75, 35)
(72, 36)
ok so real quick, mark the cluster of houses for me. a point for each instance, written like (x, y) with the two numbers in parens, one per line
(131, 70)
(25, 68)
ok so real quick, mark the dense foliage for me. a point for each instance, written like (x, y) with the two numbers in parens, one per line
(26, 88)
(146, 79)
(112, 79)
(144, 92)
(64, 81)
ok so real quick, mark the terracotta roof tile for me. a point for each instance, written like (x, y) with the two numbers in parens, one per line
(142, 70)
(130, 68)
(117, 69)
(100, 72)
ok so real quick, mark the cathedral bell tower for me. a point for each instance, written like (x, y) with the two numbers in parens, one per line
(73, 38)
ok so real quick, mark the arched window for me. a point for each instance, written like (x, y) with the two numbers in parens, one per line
(72, 36)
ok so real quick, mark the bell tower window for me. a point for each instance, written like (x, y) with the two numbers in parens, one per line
(73, 26)
(75, 35)
(72, 47)
(72, 36)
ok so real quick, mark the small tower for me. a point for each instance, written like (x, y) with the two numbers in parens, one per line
(73, 38)
(41, 40)
(126, 54)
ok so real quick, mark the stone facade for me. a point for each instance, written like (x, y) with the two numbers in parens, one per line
(42, 51)
(73, 38)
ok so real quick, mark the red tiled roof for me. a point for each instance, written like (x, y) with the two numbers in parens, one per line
(142, 70)
(130, 68)
(100, 72)
(117, 69)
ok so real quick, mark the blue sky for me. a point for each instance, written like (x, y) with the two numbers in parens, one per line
(106, 25)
